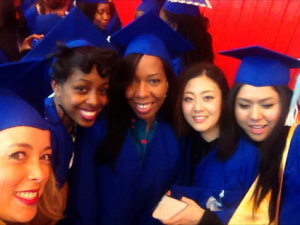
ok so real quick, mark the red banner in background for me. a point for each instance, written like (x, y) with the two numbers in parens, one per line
(274, 24)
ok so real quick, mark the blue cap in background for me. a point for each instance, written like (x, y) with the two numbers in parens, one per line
(190, 8)
(74, 26)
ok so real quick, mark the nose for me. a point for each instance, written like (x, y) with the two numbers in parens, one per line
(255, 113)
(105, 16)
(198, 105)
(142, 90)
(93, 99)
(35, 171)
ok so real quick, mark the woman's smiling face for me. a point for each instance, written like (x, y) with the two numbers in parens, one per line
(148, 90)
(257, 110)
(82, 96)
(25, 155)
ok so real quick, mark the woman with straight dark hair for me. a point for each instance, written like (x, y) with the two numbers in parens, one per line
(137, 156)
(261, 100)
(189, 22)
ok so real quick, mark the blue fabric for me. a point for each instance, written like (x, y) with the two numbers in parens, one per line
(177, 66)
(150, 35)
(114, 24)
(3, 58)
(15, 112)
(290, 204)
(261, 66)
(61, 142)
(150, 5)
(139, 136)
(130, 194)
(44, 23)
(235, 176)
(182, 8)
(30, 16)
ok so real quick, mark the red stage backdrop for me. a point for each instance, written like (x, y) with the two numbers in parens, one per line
(238, 23)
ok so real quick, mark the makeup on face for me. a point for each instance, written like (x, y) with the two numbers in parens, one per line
(257, 110)
(201, 105)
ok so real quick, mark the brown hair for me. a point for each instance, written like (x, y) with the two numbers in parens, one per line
(213, 72)
(51, 205)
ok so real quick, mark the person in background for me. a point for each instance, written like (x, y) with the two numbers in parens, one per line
(103, 14)
(189, 22)
(136, 161)
(44, 7)
(147, 5)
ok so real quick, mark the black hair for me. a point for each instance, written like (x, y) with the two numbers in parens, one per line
(90, 9)
(52, 4)
(194, 29)
(119, 113)
(82, 58)
(271, 149)
(213, 72)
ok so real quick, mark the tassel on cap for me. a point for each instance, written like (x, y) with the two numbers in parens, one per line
(293, 112)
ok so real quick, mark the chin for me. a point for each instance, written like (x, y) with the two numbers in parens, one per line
(24, 216)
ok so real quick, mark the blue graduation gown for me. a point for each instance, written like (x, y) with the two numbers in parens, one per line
(290, 196)
(61, 142)
(128, 195)
(30, 16)
(235, 176)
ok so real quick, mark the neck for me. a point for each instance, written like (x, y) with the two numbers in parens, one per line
(149, 124)
(211, 134)
(63, 116)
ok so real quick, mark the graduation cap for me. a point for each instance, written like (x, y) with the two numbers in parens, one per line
(149, 5)
(186, 7)
(264, 67)
(14, 111)
(150, 35)
(73, 27)
(27, 80)
(261, 66)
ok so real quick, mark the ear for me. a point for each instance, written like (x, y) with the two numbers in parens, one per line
(56, 88)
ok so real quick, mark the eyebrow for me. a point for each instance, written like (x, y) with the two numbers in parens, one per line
(260, 101)
(25, 145)
(203, 92)
(154, 74)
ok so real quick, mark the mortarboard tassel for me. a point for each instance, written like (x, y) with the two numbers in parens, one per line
(293, 112)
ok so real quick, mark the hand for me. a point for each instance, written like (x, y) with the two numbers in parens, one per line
(27, 42)
(191, 215)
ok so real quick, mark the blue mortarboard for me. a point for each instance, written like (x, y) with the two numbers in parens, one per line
(150, 35)
(14, 112)
(44, 23)
(262, 67)
(186, 7)
(149, 5)
(74, 26)
(27, 80)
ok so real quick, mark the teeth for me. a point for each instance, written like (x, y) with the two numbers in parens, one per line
(257, 127)
(143, 106)
(88, 113)
(27, 195)
(199, 117)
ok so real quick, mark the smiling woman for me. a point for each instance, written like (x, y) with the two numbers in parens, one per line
(80, 81)
(26, 181)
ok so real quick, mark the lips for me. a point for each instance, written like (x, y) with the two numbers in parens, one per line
(199, 119)
(257, 129)
(28, 197)
(143, 108)
(88, 114)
